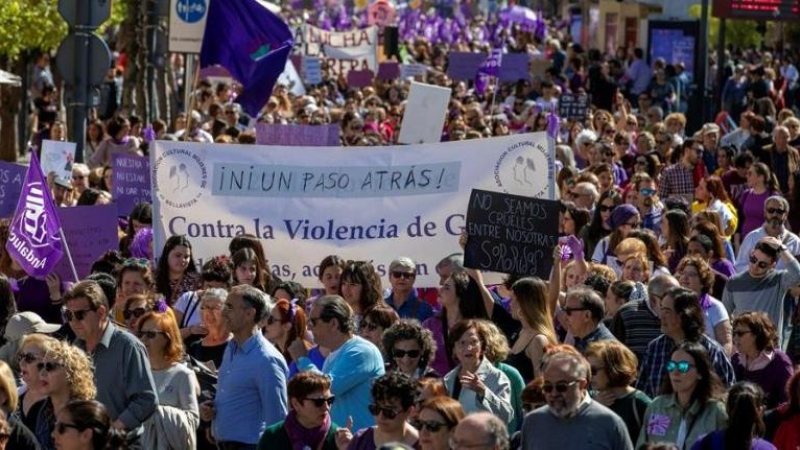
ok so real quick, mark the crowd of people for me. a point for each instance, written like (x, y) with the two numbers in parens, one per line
(670, 319)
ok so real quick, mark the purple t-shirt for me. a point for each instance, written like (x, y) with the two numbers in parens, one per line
(440, 362)
(365, 440)
(753, 210)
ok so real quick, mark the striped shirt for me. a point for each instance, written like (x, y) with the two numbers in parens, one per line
(677, 182)
(653, 368)
(636, 325)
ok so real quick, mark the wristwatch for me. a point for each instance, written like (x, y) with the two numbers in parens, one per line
(782, 248)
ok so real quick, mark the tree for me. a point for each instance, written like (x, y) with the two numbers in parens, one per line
(738, 33)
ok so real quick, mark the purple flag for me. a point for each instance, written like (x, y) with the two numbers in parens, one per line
(489, 68)
(33, 239)
(251, 42)
(552, 125)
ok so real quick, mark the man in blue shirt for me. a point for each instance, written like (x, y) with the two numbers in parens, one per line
(251, 392)
(402, 273)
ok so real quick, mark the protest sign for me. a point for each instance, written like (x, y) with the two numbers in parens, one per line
(374, 203)
(298, 135)
(412, 70)
(388, 70)
(341, 51)
(90, 231)
(11, 178)
(131, 181)
(424, 114)
(291, 79)
(58, 157)
(573, 106)
(464, 66)
(511, 234)
(312, 70)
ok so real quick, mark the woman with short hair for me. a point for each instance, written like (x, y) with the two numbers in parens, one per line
(695, 274)
(86, 425)
(409, 348)
(436, 421)
(361, 288)
(215, 273)
(375, 322)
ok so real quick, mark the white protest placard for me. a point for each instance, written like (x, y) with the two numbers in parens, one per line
(305, 203)
(58, 157)
(342, 51)
(423, 118)
(312, 69)
(187, 23)
(291, 79)
(412, 70)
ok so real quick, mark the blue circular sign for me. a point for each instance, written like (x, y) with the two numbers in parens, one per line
(191, 11)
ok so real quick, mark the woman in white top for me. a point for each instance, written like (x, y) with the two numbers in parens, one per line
(694, 273)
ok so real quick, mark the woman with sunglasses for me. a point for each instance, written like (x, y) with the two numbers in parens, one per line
(212, 345)
(177, 416)
(66, 375)
(20, 437)
(176, 273)
(600, 225)
(375, 322)
(135, 307)
(689, 406)
(409, 348)
(31, 398)
(85, 425)
(758, 357)
(133, 277)
(285, 324)
(216, 273)
(393, 397)
(436, 421)
(308, 424)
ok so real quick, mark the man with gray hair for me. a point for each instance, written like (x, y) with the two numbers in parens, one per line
(583, 147)
(448, 265)
(636, 323)
(584, 317)
(353, 364)
(571, 419)
(776, 211)
(480, 430)
(584, 195)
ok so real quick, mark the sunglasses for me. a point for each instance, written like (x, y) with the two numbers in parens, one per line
(605, 208)
(560, 387)
(318, 402)
(136, 312)
(79, 315)
(149, 334)
(431, 426)
(759, 263)
(403, 353)
(404, 275)
(388, 413)
(680, 366)
(61, 427)
(569, 311)
(48, 366)
(777, 211)
(28, 358)
(647, 192)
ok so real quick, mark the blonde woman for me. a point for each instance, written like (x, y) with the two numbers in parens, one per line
(529, 306)
(31, 351)
(66, 375)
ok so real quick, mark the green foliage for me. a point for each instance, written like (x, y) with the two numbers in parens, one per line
(739, 33)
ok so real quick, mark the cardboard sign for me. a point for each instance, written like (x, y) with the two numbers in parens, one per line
(58, 157)
(131, 181)
(312, 70)
(463, 66)
(573, 106)
(424, 115)
(90, 232)
(510, 233)
(297, 135)
(341, 51)
(11, 178)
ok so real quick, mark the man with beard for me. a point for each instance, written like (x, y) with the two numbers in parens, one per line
(571, 419)
(776, 210)
(650, 207)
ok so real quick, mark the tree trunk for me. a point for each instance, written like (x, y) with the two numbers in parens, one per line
(10, 98)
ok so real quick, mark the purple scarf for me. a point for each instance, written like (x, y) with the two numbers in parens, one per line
(705, 301)
(303, 438)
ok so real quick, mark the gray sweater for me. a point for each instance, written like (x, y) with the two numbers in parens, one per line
(744, 293)
(594, 427)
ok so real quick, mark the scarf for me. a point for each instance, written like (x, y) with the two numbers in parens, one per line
(303, 438)
(705, 301)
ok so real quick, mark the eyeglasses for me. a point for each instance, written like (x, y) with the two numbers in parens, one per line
(605, 208)
(431, 426)
(680, 366)
(134, 313)
(48, 366)
(404, 275)
(739, 333)
(647, 192)
(560, 387)
(569, 311)
(211, 308)
(369, 326)
(79, 315)
(776, 211)
(318, 402)
(403, 353)
(595, 370)
(272, 319)
(61, 427)
(759, 263)
(388, 413)
(28, 358)
(137, 262)
(151, 334)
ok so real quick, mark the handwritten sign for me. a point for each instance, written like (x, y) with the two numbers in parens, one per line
(341, 51)
(510, 233)
(573, 107)
(11, 178)
(90, 232)
(295, 135)
(463, 66)
(58, 157)
(131, 181)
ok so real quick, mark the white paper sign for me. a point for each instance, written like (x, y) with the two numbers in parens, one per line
(291, 79)
(312, 69)
(58, 157)
(412, 70)
(424, 115)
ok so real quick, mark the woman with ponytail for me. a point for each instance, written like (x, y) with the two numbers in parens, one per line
(85, 425)
(745, 407)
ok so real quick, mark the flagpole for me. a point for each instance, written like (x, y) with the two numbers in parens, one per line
(189, 94)
(69, 255)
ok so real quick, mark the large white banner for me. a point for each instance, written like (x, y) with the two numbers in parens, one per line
(344, 51)
(305, 203)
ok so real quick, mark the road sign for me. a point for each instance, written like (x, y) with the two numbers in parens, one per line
(187, 23)
(85, 13)
(97, 56)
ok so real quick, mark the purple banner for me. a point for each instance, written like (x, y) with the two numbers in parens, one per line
(360, 78)
(388, 70)
(131, 181)
(11, 178)
(463, 66)
(298, 135)
(33, 239)
(90, 231)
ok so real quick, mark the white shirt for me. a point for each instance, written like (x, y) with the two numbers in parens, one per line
(789, 239)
